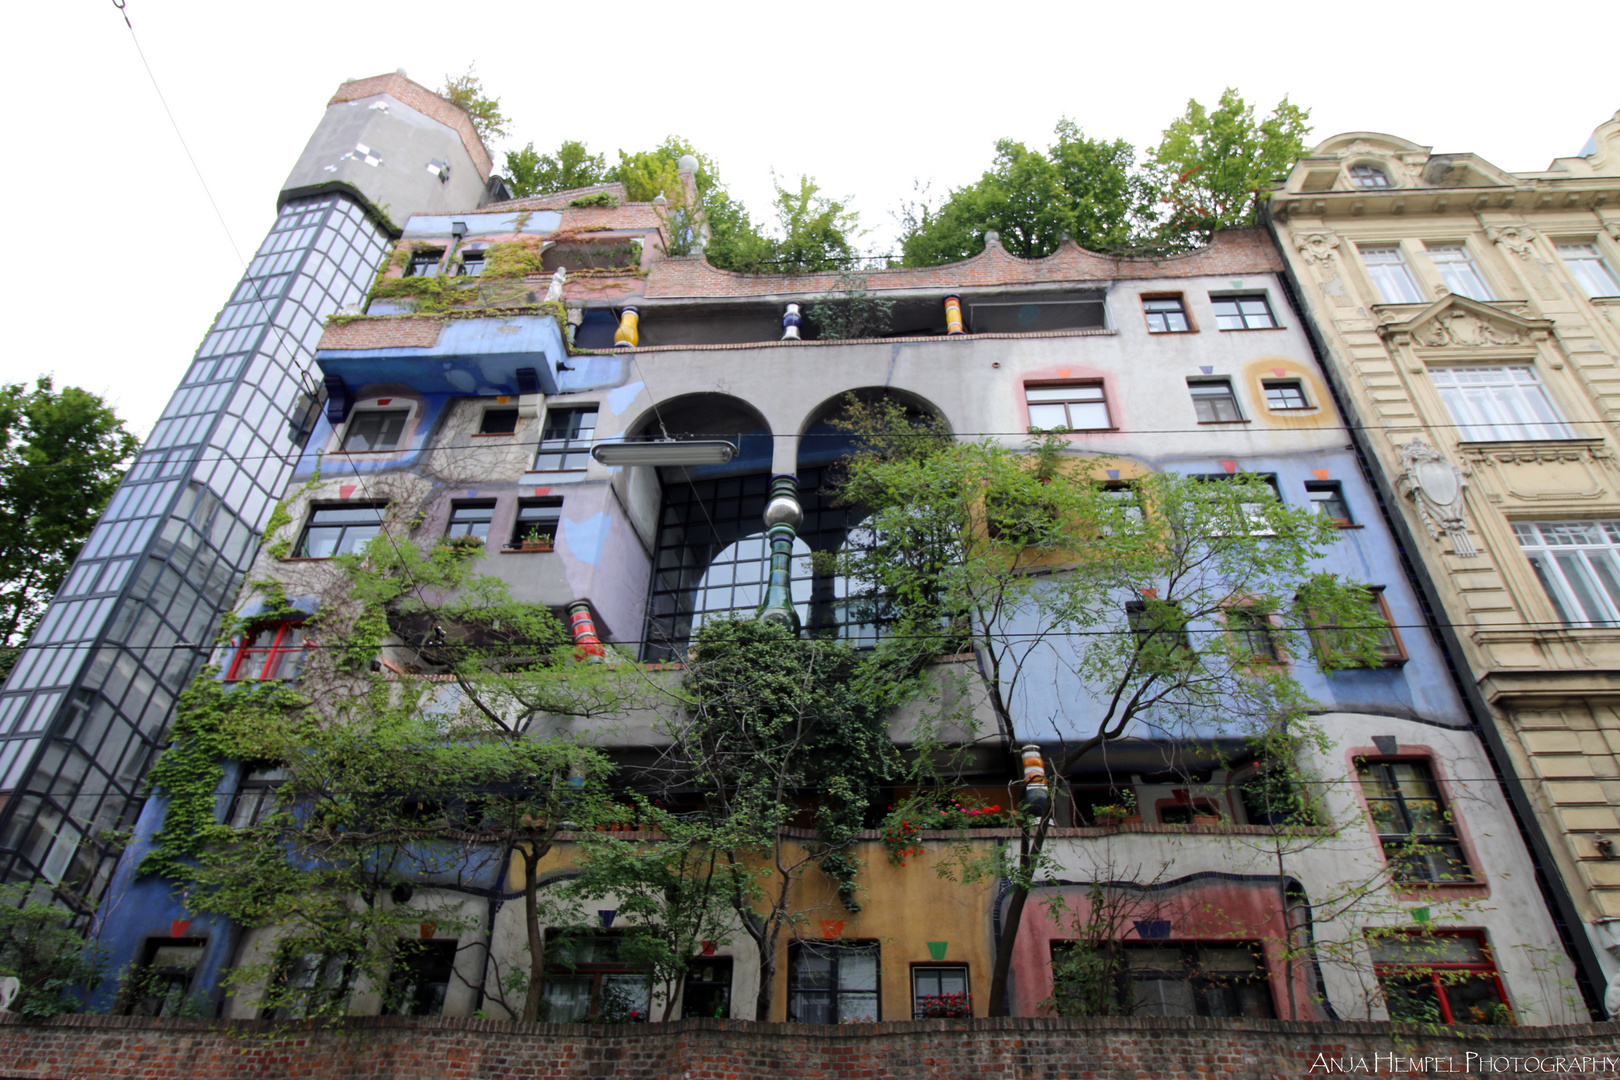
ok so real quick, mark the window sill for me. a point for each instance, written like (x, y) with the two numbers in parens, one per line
(306, 558)
(1216, 422)
(1407, 891)
(1529, 444)
(1245, 329)
(494, 434)
(1298, 409)
(1169, 333)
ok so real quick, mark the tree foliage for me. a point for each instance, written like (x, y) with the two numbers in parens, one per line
(1127, 600)
(1207, 173)
(62, 454)
(1212, 166)
(572, 166)
(54, 963)
(467, 91)
(1083, 188)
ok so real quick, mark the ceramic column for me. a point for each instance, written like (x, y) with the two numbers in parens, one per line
(587, 644)
(783, 516)
(791, 322)
(1036, 796)
(953, 315)
(627, 336)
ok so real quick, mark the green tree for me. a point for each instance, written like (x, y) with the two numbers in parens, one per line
(1079, 187)
(54, 963)
(775, 727)
(572, 166)
(395, 788)
(467, 91)
(62, 454)
(1212, 167)
(1027, 556)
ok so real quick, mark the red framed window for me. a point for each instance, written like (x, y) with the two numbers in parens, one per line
(269, 651)
(1447, 978)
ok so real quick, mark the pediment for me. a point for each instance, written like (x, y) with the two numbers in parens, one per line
(1460, 321)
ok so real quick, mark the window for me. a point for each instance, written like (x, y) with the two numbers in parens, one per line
(472, 263)
(1590, 269)
(832, 983)
(1459, 272)
(1165, 315)
(1390, 274)
(1413, 824)
(160, 985)
(1253, 633)
(1256, 513)
(1071, 407)
(1368, 176)
(536, 520)
(1214, 401)
(1578, 563)
(938, 991)
(1128, 501)
(271, 651)
(1330, 643)
(1496, 403)
(1284, 394)
(420, 979)
(1327, 498)
(256, 796)
(1157, 979)
(375, 429)
(471, 518)
(565, 441)
(498, 422)
(1442, 977)
(707, 989)
(586, 980)
(1243, 312)
(424, 264)
(1162, 644)
(340, 530)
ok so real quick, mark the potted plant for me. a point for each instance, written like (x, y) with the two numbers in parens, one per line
(535, 540)
(1120, 812)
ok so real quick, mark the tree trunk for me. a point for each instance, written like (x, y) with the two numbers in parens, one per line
(537, 944)
(767, 979)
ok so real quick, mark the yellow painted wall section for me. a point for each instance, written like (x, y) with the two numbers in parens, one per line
(1321, 413)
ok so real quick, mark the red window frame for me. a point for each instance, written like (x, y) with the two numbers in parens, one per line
(1437, 975)
(258, 659)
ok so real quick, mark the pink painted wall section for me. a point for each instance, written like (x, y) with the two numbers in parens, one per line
(1204, 910)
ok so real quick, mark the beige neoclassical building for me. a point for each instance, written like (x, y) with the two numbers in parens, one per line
(1470, 319)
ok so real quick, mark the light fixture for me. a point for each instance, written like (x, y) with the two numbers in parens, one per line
(665, 452)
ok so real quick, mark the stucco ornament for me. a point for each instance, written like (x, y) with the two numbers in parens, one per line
(1317, 246)
(1461, 328)
(1612, 228)
(1437, 487)
(1515, 238)
(558, 280)
(1611, 996)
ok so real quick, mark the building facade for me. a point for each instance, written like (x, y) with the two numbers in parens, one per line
(1469, 318)
(510, 350)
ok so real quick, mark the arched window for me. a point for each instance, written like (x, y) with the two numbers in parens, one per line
(1369, 176)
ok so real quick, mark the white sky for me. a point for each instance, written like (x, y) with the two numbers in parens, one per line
(866, 97)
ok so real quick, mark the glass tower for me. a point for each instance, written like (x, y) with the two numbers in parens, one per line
(88, 704)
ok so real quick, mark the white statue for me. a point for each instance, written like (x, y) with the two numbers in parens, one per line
(10, 987)
(1437, 487)
(558, 280)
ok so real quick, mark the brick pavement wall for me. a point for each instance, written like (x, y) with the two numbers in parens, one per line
(1112, 1048)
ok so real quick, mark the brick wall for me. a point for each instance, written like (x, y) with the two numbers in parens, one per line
(1117, 1048)
(382, 333)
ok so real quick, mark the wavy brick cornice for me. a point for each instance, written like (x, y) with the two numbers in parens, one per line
(427, 103)
(1237, 251)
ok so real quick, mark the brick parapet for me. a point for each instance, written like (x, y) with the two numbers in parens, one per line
(1100, 1048)
(382, 333)
(427, 103)
(1234, 252)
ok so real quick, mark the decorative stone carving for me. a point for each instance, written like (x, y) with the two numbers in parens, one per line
(1612, 228)
(558, 280)
(1463, 328)
(1515, 238)
(1317, 246)
(1436, 486)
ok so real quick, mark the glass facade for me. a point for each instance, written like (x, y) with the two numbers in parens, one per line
(87, 705)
